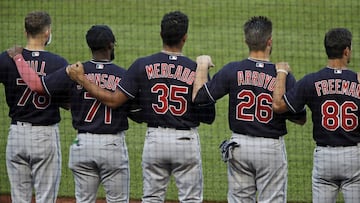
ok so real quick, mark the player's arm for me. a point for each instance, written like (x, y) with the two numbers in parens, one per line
(298, 118)
(279, 105)
(205, 112)
(201, 76)
(28, 74)
(111, 99)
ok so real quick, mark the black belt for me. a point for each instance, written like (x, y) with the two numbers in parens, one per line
(176, 128)
(276, 138)
(85, 131)
(327, 145)
(21, 123)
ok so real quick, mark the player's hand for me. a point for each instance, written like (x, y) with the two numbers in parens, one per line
(283, 67)
(15, 50)
(358, 77)
(204, 61)
(75, 71)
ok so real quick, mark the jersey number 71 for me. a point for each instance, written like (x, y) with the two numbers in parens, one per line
(94, 109)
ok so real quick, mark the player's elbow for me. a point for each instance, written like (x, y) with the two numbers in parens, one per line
(301, 121)
(38, 89)
(113, 104)
(279, 107)
(116, 100)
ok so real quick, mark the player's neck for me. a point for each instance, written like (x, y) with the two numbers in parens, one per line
(101, 56)
(35, 45)
(259, 56)
(337, 64)
(174, 50)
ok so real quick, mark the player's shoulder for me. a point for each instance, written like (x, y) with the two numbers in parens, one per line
(236, 65)
(6, 60)
(248, 62)
(44, 55)
(4, 56)
(48, 54)
(161, 57)
(107, 66)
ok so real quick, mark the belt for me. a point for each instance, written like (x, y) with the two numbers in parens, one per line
(276, 138)
(26, 123)
(176, 128)
(347, 145)
(85, 131)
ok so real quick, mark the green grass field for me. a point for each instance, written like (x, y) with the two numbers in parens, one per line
(215, 29)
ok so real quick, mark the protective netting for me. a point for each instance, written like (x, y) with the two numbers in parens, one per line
(216, 29)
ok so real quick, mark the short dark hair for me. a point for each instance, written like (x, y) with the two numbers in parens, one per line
(99, 37)
(258, 31)
(174, 26)
(335, 41)
(36, 22)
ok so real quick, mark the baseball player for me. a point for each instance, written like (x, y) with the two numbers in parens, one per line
(33, 155)
(332, 94)
(99, 153)
(163, 84)
(257, 164)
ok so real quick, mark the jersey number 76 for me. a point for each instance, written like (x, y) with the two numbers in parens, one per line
(39, 101)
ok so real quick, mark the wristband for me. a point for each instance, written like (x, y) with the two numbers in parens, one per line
(282, 71)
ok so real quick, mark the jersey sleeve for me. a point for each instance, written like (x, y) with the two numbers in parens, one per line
(57, 82)
(295, 98)
(214, 89)
(205, 112)
(129, 84)
(135, 112)
(299, 114)
(4, 58)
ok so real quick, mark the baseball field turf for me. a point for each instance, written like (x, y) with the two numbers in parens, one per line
(215, 29)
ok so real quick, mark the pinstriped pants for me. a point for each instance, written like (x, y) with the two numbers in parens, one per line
(100, 159)
(172, 152)
(336, 169)
(33, 160)
(258, 168)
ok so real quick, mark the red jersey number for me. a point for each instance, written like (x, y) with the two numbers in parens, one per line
(170, 99)
(335, 115)
(261, 103)
(94, 109)
(39, 101)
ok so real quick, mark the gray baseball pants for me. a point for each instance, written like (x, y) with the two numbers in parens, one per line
(172, 152)
(100, 158)
(33, 161)
(257, 171)
(336, 169)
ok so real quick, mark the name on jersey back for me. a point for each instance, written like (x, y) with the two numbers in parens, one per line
(337, 86)
(166, 70)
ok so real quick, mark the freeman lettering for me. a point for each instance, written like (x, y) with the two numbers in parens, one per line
(337, 86)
